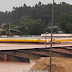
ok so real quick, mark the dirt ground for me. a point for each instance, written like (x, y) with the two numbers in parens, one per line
(58, 64)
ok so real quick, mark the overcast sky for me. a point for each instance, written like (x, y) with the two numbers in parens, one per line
(8, 4)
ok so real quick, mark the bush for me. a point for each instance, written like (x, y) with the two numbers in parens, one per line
(36, 29)
(10, 34)
(3, 32)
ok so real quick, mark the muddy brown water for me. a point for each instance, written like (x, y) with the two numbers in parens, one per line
(15, 66)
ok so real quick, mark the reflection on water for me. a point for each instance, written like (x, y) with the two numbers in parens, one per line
(15, 66)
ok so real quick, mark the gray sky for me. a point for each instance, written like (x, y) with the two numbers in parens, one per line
(8, 4)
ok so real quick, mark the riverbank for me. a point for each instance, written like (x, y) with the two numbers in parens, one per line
(58, 64)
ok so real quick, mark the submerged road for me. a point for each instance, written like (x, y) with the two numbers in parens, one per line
(9, 46)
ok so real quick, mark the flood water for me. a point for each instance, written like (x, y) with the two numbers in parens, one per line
(15, 66)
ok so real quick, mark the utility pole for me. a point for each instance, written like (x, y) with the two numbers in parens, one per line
(9, 28)
(51, 34)
(46, 39)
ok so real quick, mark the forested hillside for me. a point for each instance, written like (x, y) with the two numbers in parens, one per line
(39, 11)
(41, 14)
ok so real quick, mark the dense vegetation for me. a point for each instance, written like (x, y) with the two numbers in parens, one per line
(65, 22)
(29, 19)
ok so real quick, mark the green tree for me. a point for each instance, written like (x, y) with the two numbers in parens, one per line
(48, 30)
(10, 34)
(26, 21)
(36, 29)
(64, 20)
(68, 28)
(55, 30)
(4, 32)
(22, 30)
(46, 20)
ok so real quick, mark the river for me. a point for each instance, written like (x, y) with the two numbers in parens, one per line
(15, 66)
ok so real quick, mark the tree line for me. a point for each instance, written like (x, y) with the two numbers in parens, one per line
(29, 19)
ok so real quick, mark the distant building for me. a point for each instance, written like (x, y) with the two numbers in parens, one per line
(14, 32)
(60, 32)
(3, 25)
(53, 27)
